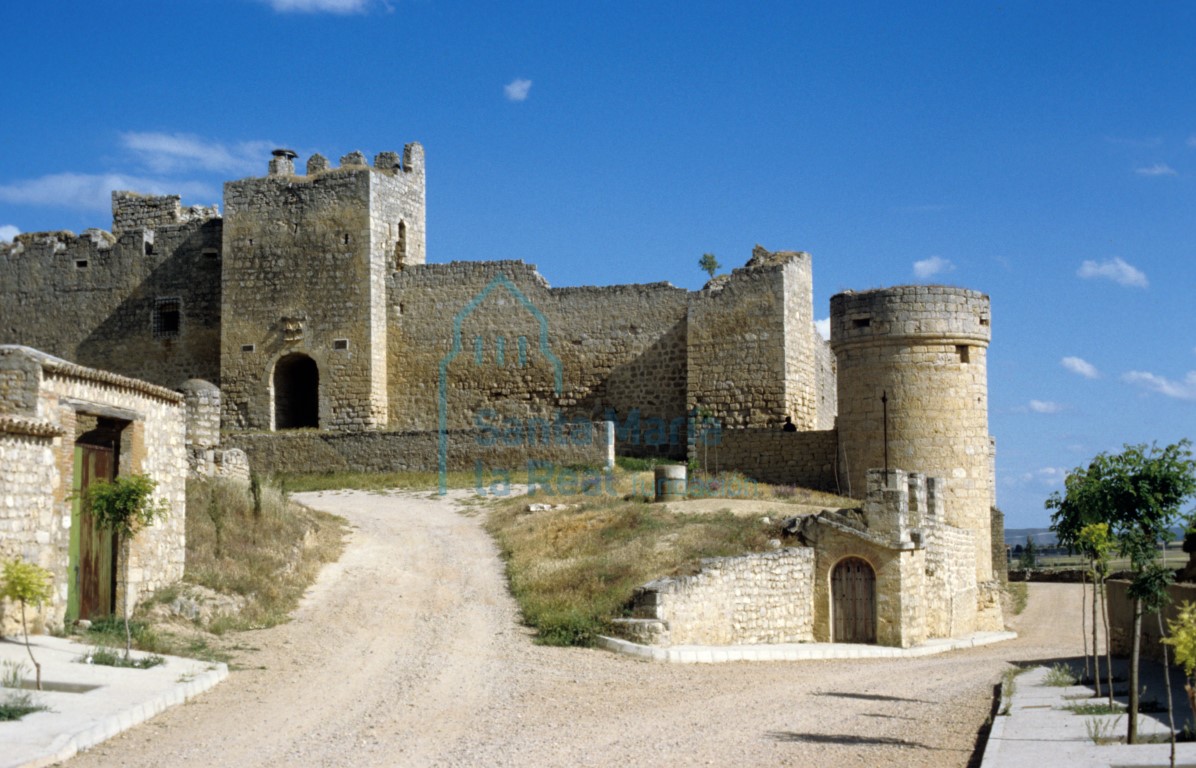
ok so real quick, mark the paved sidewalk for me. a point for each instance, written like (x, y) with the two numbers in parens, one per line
(714, 654)
(1037, 730)
(105, 701)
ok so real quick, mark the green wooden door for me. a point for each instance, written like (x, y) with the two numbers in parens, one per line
(93, 551)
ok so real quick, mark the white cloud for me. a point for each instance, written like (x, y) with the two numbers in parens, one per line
(1081, 366)
(1114, 269)
(8, 233)
(94, 191)
(1044, 406)
(1045, 476)
(1158, 169)
(932, 266)
(319, 6)
(1180, 390)
(168, 152)
(823, 327)
(517, 89)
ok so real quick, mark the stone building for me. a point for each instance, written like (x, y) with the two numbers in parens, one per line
(334, 343)
(62, 427)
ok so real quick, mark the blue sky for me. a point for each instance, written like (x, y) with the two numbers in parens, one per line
(1044, 153)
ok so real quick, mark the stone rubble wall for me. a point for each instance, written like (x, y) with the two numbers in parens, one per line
(491, 455)
(617, 349)
(757, 598)
(133, 211)
(805, 459)
(40, 463)
(91, 298)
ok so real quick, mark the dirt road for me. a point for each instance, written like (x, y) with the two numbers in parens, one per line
(408, 652)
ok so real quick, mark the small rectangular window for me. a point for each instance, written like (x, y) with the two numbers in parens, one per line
(211, 254)
(168, 316)
(80, 263)
(861, 322)
(964, 352)
(340, 343)
(248, 347)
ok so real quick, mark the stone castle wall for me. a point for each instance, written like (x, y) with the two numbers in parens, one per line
(106, 300)
(493, 455)
(805, 459)
(526, 350)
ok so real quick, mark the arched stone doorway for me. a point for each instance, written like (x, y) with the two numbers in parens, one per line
(296, 392)
(853, 601)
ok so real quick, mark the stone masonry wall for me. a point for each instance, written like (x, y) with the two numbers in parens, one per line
(618, 349)
(757, 598)
(99, 299)
(492, 455)
(37, 441)
(805, 459)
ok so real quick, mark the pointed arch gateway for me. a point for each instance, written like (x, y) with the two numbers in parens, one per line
(296, 392)
(853, 601)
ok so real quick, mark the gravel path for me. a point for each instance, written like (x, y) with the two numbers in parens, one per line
(409, 652)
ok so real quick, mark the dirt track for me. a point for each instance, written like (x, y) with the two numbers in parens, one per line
(409, 652)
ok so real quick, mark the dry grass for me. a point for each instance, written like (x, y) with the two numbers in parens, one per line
(574, 569)
(270, 556)
(372, 481)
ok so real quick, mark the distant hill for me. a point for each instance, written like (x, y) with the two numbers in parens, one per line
(1045, 537)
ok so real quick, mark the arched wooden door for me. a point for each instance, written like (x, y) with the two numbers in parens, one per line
(853, 601)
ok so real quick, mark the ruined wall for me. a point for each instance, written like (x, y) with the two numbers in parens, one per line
(513, 348)
(757, 598)
(142, 302)
(925, 346)
(805, 459)
(37, 441)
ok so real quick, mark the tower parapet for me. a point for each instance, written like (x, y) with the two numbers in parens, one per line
(922, 349)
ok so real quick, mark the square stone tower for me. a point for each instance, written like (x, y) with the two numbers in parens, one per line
(303, 290)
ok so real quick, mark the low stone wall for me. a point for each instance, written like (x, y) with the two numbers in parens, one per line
(1121, 619)
(757, 598)
(495, 458)
(806, 459)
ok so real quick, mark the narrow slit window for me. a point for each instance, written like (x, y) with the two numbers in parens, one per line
(964, 352)
(861, 322)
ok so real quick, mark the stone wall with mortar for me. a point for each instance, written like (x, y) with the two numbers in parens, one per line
(925, 347)
(512, 348)
(805, 459)
(490, 454)
(38, 444)
(757, 598)
(98, 298)
(751, 345)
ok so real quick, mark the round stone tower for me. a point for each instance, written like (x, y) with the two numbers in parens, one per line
(918, 352)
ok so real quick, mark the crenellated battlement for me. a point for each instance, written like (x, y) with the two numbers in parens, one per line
(411, 162)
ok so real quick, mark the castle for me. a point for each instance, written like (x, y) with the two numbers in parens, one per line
(310, 303)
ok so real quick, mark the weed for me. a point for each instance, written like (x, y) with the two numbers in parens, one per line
(1008, 687)
(108, 657)
(1095, 708)
(1060, 676)
(1101, 731)
(15, 703)
(1019, 594)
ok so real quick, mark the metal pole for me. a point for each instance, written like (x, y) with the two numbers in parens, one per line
(884, 402)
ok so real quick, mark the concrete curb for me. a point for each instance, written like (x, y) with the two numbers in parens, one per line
(117, 700)
(716, 654)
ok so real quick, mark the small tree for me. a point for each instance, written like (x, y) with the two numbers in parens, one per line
(709, 264)
(1138, 492)
(1029, 557)
(1096, 542)
(27, 584)
(1182, 637)
(125, 507)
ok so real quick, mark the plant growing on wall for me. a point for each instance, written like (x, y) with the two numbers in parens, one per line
(27, 584)
(709, 264)
(125, 506)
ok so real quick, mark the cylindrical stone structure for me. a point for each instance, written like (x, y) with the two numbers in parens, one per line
(923, 350)
(670, 482)
(202, 400)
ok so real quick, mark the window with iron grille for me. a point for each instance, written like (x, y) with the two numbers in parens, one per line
(168, 316)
